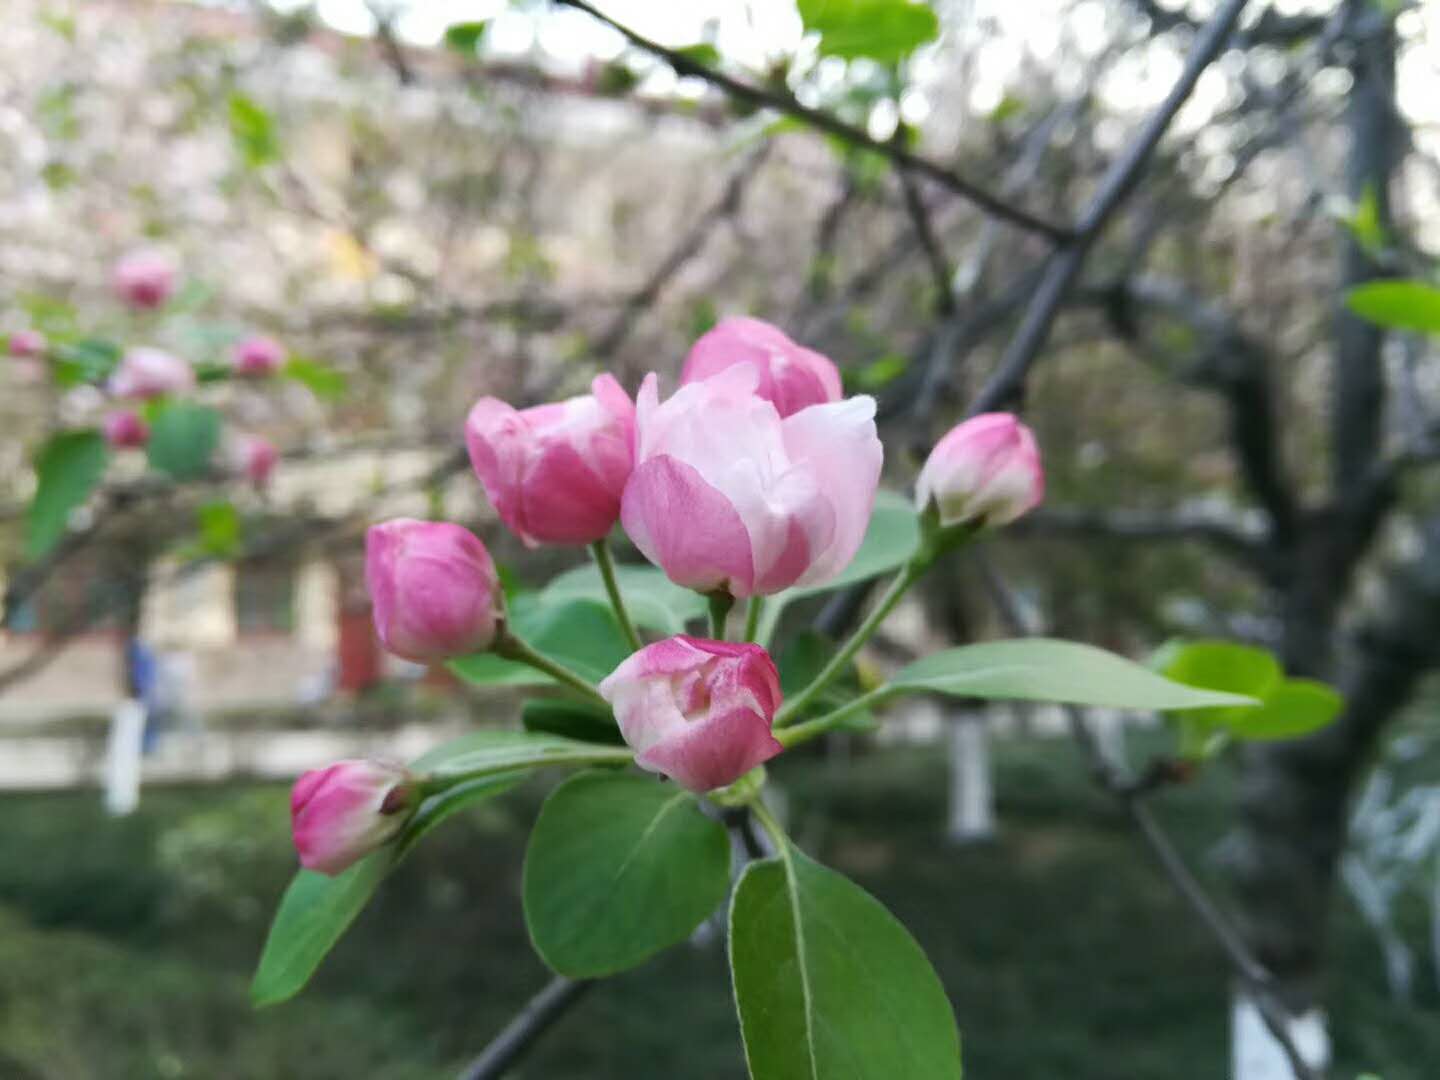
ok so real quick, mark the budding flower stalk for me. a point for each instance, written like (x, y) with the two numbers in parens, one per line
(257, 356)
(125, 430)
(985, 472)
(144, 279)
(434, 587)
(341, 813)
(27, 344)
(789, 376)
(696, 710)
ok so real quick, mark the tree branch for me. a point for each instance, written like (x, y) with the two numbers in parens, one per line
(1065, 263)
(554, 1000)
(1115, 779)
(1229, 536)
(823, 121)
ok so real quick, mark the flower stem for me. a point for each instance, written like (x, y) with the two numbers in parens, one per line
(909, 574)
(443, 779)
(804, 732)
(600, 549)
(752, 617)
(720, 604)
(767, 820)
(510, 647)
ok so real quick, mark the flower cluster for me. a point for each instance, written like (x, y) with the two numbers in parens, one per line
(755, 476)
(145, 281)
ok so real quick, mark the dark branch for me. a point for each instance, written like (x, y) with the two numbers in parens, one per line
(1231, 537)
(823, 121)
(1272, 28)
(1064, 266)
(543, 1010)
(1116, 779)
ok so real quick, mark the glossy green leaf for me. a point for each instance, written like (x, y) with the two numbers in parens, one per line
(1296, 707)
(882, 30)
(67, 469)
(619, 867)
(829, 984)
(1046, 669)
(316, 910)
(1398, 305)
(1220, 665)
(323, 382)
(572, 719)
(499, 751)
(88, 360)
(652, 599)
(183, 438)
(890, 539)
(581, 634)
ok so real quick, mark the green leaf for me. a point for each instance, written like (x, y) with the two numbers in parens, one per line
(316, 910)
(703, 53)
(882, 372)
(89, 360)
(1365, 224)
(1045, 669)
(1296, 707)
(886, 31)
(67, 470)
(651, 598)
(465, 37)
(323, 382)
(1222, 665)
(828, 983)
(581, 634)
(183, 438)
(890, 539)
(572, 719)
(253, 132)
(219, 524)
(1399, 305)
(618, 868)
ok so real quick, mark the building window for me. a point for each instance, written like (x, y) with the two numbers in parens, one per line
(264, 598)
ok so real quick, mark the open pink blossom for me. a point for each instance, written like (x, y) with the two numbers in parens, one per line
(727, 495)
(985, 471)
(555, 473)
(146, 373)
(789, 375)
(340, 814)
(434, 589)
(257, 356)
(125, 430)
(697, 711)
(144, 279)
(27, 344)
(256, 458)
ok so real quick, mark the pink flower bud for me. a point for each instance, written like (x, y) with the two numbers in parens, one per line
(986, 471)
(258, 356)
(790, 375)
(697, 711)
(255, 458)
(149, 373)
(27, 344)
(342, 813)
(433, 587)
(125, 430)
(144, 279)
(555, 473)
(726, 494)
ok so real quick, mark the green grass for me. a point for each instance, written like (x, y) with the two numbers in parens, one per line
(125, 947)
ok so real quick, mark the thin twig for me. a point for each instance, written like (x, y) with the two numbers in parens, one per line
(1116, 780)
(823, 121)
(1119, 183)
(543, 1010)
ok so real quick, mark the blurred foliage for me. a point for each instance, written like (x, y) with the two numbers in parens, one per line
(1063, 952)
